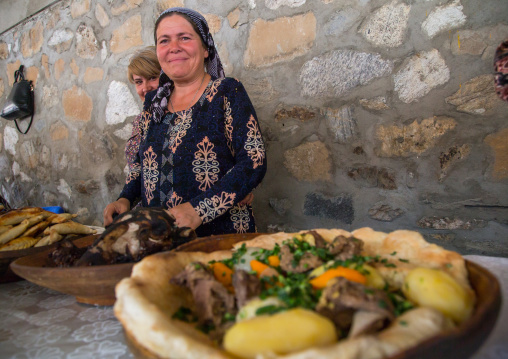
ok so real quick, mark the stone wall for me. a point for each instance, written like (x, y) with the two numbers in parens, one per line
(375, 113)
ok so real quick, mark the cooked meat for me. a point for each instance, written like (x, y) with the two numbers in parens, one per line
(66, 253)
(290, 264)
(134, 235)
(211, 299)
(342, 298)
(345, 248)
(320, 242)
(246, 286)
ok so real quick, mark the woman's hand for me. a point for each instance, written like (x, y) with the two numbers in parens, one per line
(247, 200)
(119, 206)
(186, 216)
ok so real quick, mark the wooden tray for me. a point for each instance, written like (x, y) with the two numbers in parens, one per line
(90, 285)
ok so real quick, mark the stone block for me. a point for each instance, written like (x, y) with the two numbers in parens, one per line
(126, 6)
(101, 15)
(452, 156)
(121, 103)
(451, 223)
(297, 113)
(77, 104)
(275, 4)
(444, 18)
(372, 176)
(499, 144)
(93, 74)
(4, 50)
(341, 21)
(384, 212)
(32, 41)
(340, 71)
(387, 27)
(127, 35)
(477, 96)
(414, 138)
(86, 42)
(214, 22)
(11, 139)
(309, 162)
(341, 123)
(79, 8)
(59, 132)
(422, 73)
(59, 68)
(61, 40)
(374, 104)
(281, 206)
(339, 208)
(279, 40)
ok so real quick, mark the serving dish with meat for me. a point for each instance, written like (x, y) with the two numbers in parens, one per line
(321, 293)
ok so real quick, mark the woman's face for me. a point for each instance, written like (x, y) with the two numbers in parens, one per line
(144, 85)
(180, 50)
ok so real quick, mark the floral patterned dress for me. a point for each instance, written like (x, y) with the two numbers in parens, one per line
(211, 155)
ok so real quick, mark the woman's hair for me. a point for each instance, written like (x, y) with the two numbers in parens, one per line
(186, 17)
(144, 63)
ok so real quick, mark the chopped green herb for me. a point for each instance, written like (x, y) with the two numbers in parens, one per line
(393, 253)
(449, 265)
(390, 265)
(403, 323)
(185, 315)
(404, 260)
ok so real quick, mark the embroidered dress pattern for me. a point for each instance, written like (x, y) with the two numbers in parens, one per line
(240, 218)
(174, 200)
(150, 173)
(210, 156)
(206, 166)
(228, 126)
(216, 206)
(254, 144)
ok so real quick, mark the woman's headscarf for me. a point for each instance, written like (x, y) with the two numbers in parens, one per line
(501, 69)
(213, 64)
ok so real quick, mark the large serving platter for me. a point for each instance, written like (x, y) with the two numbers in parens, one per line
(461, 342)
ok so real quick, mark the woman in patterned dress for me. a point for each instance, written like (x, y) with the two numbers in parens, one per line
(201, 149)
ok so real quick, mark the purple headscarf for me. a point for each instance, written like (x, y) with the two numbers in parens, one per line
(213, 65)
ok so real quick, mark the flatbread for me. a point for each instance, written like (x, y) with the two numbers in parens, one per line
(146, 301)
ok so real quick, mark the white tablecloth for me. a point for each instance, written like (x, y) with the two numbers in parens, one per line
(39, 323)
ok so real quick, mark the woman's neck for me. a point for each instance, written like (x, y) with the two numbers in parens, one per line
(186, 94)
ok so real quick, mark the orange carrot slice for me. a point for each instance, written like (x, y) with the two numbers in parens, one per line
(258, 266)
(274, 261)
(222, 273)
(348, 273)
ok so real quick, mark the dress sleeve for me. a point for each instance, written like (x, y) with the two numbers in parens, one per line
(132, 187)
(244, 139)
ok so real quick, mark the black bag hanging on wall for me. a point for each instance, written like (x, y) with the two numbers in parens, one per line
(20, 102)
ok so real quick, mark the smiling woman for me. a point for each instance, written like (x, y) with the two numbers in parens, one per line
(201, 152)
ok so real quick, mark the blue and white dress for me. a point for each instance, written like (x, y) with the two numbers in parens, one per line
(211, 155)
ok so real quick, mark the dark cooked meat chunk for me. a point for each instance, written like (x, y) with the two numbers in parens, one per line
(246, 286)
(345, 248)
(211, 299)
(66, 253)
(320, 242)
(342, 298)
(134, 235)
(289, 263)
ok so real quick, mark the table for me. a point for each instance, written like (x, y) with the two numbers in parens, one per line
(37, 322)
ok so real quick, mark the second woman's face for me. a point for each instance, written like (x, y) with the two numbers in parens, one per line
(144, 85)
(180, 50)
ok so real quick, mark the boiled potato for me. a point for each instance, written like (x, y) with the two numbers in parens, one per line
(285, 332)
(437, 289)
(374, 279)
(248, 311)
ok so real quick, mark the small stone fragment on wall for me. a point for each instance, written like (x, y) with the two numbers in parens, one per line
(32, 40)
(420, 75)
(452, 156)
(372, 176)
(297, 113)
(309, 162)
(79, 8)
(275, 4)
(101, 15)
(4, 50)
(77, 104)
(280, 206)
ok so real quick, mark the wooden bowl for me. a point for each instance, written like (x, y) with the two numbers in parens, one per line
(460, 342)
(90, 285)
(7, 257)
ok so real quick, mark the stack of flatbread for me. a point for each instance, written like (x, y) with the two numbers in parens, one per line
(33, 226)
